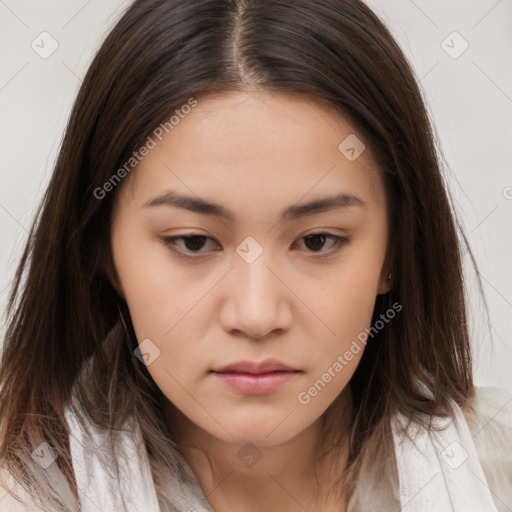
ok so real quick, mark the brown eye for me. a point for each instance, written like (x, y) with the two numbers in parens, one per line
(193, 244)
(315, 242)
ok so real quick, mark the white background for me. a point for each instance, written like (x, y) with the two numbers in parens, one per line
(469, 98)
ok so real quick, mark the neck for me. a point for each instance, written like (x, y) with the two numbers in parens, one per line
(289, 476)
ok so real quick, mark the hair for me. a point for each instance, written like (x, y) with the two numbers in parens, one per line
(65, 311)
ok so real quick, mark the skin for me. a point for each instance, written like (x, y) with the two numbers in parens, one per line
(256, 154)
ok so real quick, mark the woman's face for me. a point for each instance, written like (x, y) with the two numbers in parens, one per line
(252, 283)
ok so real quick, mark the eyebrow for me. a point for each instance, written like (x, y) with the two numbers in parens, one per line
(204, 207)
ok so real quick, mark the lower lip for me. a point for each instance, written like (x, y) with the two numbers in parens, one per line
(250, 384)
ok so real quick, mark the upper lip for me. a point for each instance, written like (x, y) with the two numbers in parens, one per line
(254, 367)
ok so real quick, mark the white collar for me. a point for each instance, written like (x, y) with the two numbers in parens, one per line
(439, 471)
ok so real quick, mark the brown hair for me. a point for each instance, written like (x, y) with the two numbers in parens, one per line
(158, 55)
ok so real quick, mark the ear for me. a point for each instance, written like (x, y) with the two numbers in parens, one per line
(385, 283)
(387, 276)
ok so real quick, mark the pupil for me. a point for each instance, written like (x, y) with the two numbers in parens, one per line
(188, 239)
(316, 237)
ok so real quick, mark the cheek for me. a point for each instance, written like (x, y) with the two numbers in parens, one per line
(346, 303)
(147, 280)
(165, 307)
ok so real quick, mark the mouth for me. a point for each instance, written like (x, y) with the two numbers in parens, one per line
(255, 378)
(256, 368)
(256, 383)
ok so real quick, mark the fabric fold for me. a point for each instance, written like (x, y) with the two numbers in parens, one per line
(438, 470)
(98, 489)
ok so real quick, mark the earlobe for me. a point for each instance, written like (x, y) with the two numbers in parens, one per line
(386, 285)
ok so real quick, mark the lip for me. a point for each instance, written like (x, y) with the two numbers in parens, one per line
(256, 384)
(256, 368)
(256, 378)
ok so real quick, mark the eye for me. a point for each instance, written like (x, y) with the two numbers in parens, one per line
(195, 242)
(316, 241)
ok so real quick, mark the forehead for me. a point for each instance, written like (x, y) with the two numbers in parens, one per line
(257, 147)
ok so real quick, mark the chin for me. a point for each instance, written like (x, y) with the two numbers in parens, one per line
(267, 434)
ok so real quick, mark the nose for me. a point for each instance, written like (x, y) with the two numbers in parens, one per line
(257, 300)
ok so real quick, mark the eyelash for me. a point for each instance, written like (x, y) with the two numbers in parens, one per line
(170, 243)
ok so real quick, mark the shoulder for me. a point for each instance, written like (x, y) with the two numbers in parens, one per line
(489, 418)
(8, 503)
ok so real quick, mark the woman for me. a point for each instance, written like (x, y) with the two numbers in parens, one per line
(244, 289)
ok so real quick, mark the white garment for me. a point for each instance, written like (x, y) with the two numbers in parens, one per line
(439, 472)
(97, 489)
